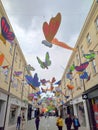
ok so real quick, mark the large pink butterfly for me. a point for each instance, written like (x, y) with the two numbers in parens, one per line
(5, 30)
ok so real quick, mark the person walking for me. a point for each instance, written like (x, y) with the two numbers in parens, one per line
(18, 122)
(76, 123)
(59, 123)
(68, 122)
(37, 120)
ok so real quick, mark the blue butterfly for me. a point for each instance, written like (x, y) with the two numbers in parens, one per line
(33, 81)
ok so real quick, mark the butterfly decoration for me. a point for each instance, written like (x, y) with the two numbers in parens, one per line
(72, 67)
(51, 29)
(43, 90)
(70, 86)
(45, 64)
(5, 67)
(58, 82)
(38, 93)
(50, 89)
(90, 57)
(82, 67)
(69, 76)
(84, 75)
(31, 95)
(1, 58)
(67, 97)
(53, 80)
(57, 89)
(6, 34)
(44, 81)
(29, 68)
(33, 81)
(17, 73)
(62, 44)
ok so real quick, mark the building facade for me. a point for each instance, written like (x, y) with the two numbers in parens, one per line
(81, 85)
(14, 89)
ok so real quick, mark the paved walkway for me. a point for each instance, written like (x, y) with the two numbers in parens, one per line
(45, 124)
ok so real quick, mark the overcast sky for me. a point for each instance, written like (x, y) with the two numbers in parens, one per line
(27, 18)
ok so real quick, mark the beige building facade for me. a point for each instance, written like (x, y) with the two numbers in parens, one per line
(81, 92)
(14, 89)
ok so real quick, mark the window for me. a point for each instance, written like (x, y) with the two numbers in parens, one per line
(6, 73)
(13, 114)
(88, 38)
(20, 64)
(94, 67)
(96, 23)
(11, 48)
(82, 50)
(16, 55)
(81, 83)
(77, 58)
(76, 84)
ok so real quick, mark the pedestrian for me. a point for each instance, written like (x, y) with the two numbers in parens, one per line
(37, 120)
(68, 122)
(59, 123)
(76, 123)
(23, 121)
(18, 122)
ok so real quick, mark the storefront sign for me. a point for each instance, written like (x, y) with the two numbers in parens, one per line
(84, 96)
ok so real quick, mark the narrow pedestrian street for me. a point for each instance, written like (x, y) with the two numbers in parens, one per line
(48, 65)
(45, 124)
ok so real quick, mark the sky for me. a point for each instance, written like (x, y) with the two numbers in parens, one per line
(27, 18)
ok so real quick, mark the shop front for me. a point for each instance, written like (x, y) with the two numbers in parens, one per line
(91, 97)
(3, 98)
(69, 108)
(29, 111)
(80, 110)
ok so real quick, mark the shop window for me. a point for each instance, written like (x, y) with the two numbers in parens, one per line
(0, 105)
(88, 38)
(81, 114)
(13, 115)
(94, 102)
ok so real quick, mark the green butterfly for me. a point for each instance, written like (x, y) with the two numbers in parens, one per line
(46, 63)
(89, 56)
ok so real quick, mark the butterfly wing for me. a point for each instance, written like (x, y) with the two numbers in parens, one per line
(5, 29)
(47, 61)
(41, 63)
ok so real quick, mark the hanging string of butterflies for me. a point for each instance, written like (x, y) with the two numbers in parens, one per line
(81, 69)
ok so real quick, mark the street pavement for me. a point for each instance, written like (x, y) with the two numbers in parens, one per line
(48, 123)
